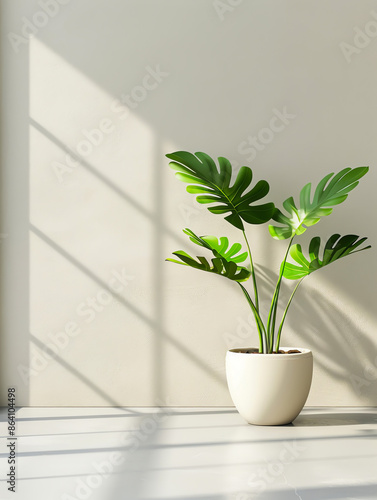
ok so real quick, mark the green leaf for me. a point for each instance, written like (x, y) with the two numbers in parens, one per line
(225, 261)
(335, 248)
(220, 266)
(212, 185)
(328, 193)
(220, 248)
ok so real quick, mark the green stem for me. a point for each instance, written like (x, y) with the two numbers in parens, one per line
(271, 322)
(252, 272)
(284, 315)
(258, 320)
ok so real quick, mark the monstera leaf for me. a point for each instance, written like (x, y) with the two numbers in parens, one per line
(221, 266)
(226, 259)
(213, 186)
(219, 248)
(327, 195)
(336, 247)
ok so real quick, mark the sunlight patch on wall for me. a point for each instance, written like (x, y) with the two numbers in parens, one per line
(92, 129)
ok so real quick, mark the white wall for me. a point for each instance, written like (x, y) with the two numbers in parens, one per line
(73, 223)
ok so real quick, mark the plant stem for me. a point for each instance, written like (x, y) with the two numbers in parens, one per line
(252, 272)
(284, 315)
(274, 303)
(256, 298)
(258, 319)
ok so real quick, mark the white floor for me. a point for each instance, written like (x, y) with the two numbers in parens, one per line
(191, 453)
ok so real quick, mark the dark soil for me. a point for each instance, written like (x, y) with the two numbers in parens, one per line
(255, 351)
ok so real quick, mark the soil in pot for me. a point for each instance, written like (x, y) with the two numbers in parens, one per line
(255, 351)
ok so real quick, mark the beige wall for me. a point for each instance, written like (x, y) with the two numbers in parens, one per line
(88, 217)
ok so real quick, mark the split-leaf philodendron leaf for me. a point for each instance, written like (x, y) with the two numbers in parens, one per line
(226, 260)
(219, 248)
(336, 247)
(327, 195)
(213, 186)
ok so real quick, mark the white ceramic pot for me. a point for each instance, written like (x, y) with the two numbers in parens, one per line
(269, 389)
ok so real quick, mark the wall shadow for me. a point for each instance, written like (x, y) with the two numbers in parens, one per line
(339, 345)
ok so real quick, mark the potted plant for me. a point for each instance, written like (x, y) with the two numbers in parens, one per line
(269, 384)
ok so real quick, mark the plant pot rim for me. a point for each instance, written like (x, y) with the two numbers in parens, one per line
(303, 352)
